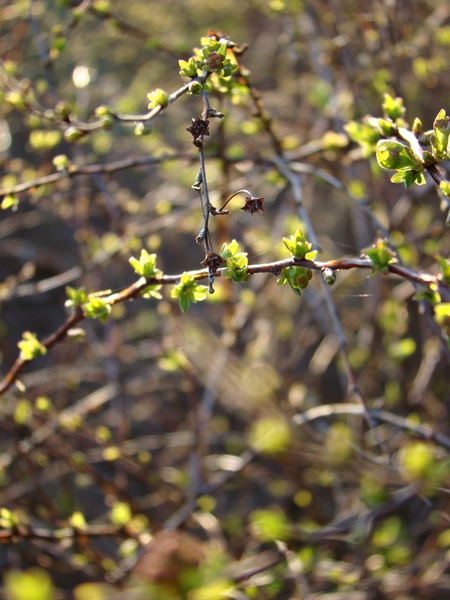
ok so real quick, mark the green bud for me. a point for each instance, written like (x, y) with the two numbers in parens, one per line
(237, 268)
(393, 107)
(30, 347)
(143, 129)
(102, 7)
(102, 111)
(73, 134)
(387, 127)
(297, 277)
(16, 99)
(442, 316)
(96, 308)
(445, 188)
(48, 114)
(146, 265)
(61, 162)
(196, 88)
(440, 137)
(107, 121)
(10, 201)
(63, 109)
(329, 276)
(298, 246)
(417, 127)
(188, 69)
(158, 97)
(381, 255)
(300, 277)
(76, 296)
(187, 291)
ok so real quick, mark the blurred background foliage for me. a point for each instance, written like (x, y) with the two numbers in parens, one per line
(175, 439)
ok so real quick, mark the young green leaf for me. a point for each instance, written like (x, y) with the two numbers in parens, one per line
(297, 277)
(97, 308)
(158, 97)
(299, 247)
(366, 134)
(393, 155)
(393, 107)
(440, 138)
(229, 250)
(30, 346)
(10, 201)
(76, 296)
(187, 291)
(381, 255)
(444, 266)
(237, 268)
(189, 68)
(146, 265)
(445, 188)
(442, 317)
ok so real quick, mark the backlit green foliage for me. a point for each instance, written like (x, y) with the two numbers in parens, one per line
(236, 262)
(33, 584)
(301, 441)
(270, 435)
(96, 308)
(30, 346)
(187, 291)
(380, 255)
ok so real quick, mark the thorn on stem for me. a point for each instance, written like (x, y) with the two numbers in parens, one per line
(198, 182)
(201, 236)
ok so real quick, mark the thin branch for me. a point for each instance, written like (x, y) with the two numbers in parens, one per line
(42, 47)
(39, 287)
(260, 113)
(83, 407)
(57, 336)
(383, 416)
(25, 532)
(30, 103)
(275, 268)
(74, 171)
(333, 181)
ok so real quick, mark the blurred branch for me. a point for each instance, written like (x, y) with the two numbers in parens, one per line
(243, 76)
(39, 287)
(352, 386)
(28, 532)
(383, 416)
(361, 522)
(74, 171)
(42, 47)
(25, 101)
(82, 408)
(333, 181)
